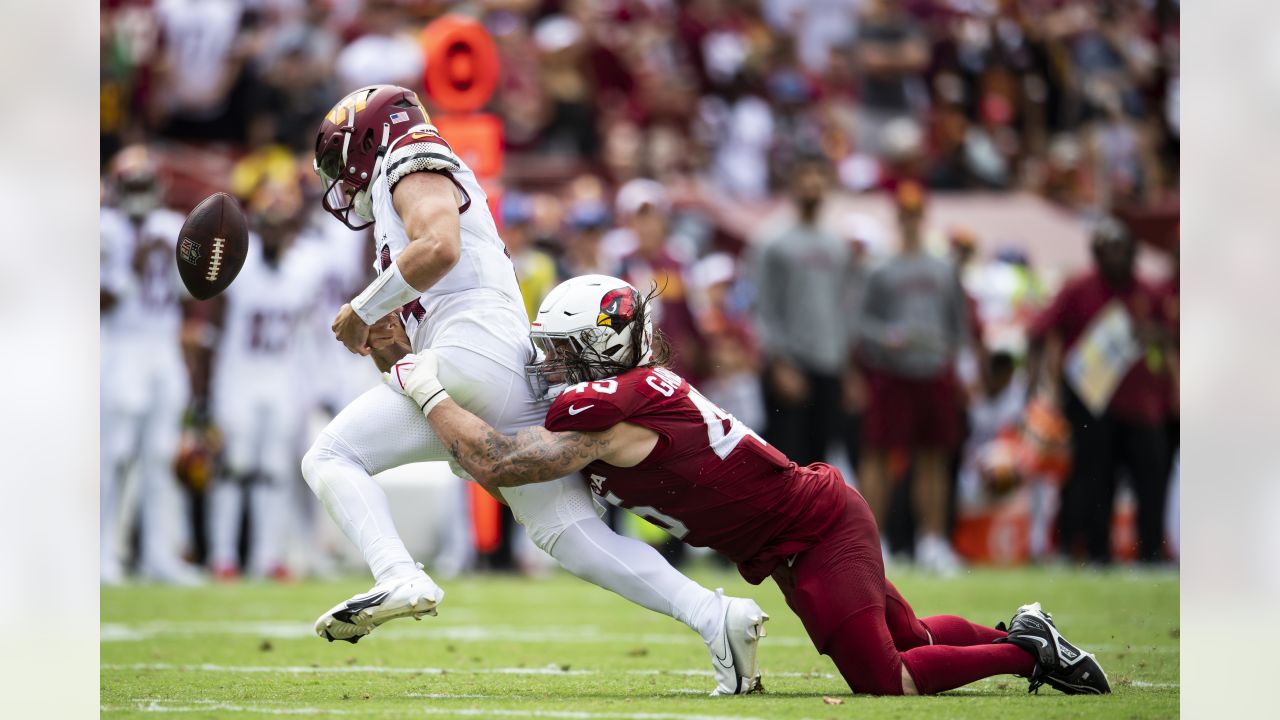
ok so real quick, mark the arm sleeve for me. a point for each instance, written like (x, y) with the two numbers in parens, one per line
(583, 412)
(1050, 318)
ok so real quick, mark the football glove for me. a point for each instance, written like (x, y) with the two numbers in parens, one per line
(415, 376)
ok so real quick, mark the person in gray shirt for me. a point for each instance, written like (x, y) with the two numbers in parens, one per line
(912, 324)
(801, 275)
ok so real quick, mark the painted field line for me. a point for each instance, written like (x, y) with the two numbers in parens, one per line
(313, 670)
(572, 635)
(158, 707)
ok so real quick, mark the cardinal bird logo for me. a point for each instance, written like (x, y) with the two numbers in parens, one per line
(618, 308)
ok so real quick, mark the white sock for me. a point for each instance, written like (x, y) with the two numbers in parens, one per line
(359, 506)
(638, 573)
(225, 506)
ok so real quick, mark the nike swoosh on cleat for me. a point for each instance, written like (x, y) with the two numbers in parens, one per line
(354, 606)
(722, 660)
(1042, 641)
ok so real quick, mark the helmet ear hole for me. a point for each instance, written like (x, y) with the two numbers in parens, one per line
(367, 142)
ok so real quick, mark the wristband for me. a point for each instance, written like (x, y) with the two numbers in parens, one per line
(436, 398)
(387, 293)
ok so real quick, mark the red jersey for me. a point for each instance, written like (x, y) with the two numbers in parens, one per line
(710, 480)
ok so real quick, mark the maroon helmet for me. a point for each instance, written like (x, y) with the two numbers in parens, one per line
(352, 140)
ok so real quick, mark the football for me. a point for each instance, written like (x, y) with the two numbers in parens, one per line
(212, 246)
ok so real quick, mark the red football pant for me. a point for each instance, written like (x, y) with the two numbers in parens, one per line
(856, 617)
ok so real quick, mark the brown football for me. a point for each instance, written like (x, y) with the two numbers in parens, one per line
(212, 246)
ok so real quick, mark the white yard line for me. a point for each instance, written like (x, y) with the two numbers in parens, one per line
(159, 707)
(309, 670)
(136, 632)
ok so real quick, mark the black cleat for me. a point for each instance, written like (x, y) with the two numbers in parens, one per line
(1058, 663)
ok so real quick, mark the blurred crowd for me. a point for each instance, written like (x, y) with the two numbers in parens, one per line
(695, 148)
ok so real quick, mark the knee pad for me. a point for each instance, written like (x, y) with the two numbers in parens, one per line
(547, 509)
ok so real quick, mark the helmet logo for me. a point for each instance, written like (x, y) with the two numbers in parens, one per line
(618, 308)
(355, 102)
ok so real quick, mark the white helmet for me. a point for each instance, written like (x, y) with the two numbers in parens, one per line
(589, 328)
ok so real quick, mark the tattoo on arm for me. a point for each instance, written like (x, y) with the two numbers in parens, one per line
(532, 455)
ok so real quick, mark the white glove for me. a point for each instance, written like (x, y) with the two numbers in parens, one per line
(415, 376)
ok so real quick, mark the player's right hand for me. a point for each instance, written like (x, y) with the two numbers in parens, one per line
(415, 375)
(351, 331)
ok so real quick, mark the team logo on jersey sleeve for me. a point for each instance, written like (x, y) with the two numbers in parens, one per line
(618, 308)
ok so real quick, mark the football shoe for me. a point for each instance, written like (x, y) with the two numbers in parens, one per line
(734, 647)
(415, 595)
(1058, 663)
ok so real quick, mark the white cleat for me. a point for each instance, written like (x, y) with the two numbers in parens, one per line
(414, 595)
(734, 647)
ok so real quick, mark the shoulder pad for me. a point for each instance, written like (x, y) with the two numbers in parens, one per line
(419, 151)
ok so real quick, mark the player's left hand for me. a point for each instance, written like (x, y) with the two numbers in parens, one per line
(351, 331)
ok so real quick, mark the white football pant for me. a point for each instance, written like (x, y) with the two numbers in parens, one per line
(144, 392)
(262, 427)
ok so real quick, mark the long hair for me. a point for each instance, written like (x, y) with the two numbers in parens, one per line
(583, 363)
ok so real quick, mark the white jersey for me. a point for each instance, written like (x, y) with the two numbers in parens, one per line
(480, 295)
(339, 375)
(138, 268)
(260, 349)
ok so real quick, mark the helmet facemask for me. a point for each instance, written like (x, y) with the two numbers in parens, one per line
(563, 360)
(341, 196)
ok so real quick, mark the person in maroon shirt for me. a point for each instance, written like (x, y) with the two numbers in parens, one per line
(1129, 431)
(650, 442)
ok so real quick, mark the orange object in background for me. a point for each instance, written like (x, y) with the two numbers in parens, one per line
(477, 139)
(1000, 534)
(486, 519)
(461, 68)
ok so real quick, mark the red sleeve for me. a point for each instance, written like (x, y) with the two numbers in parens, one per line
(1051, 317)
(583, 412)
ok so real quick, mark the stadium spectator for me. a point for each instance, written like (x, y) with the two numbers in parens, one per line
(585, 226)
(1106, 336)
(644, 208)
(801, 275)
(913, 323)
(892, 54)
(203, 80)
(868, 245)
(385, 52)
(535, 269)
(732, 352)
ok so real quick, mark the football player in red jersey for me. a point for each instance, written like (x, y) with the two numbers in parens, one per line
(648, 441)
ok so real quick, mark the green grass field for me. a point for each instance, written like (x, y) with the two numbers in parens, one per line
(558, 648)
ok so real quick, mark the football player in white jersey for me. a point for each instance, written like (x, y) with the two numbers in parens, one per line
(445, 272)
(145, 385)
(255, 401)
